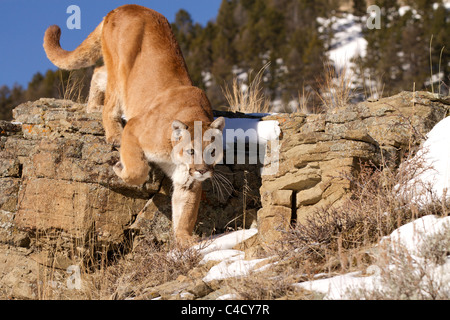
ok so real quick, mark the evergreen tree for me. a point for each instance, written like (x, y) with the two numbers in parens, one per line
(9, 99)
(399, 52)
(223, 51)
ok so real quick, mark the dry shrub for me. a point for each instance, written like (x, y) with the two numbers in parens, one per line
(407, 276)
(338, 238)
(73, 88)
(436, 248)
(147, 266)
(248, 98)
(266, 285)
(335, 87)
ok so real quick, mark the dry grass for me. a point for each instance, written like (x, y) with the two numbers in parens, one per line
(335, 88)
(373, 89)
(72, 88)
(306, 103)
(405, 276)
(267, 285)
(339, 239)
(333, 240)
(118, 276)
(148, 265)
(248, 97)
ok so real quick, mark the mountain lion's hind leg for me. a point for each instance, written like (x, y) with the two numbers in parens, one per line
(97, 90)
(133, 167)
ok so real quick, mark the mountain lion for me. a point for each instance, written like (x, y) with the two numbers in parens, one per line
(145, 80)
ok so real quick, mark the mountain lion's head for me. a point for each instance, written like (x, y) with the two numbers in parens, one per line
(198, 147)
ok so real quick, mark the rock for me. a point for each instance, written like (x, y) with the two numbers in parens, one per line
(310, 196)
(319, 154)
(214, 295)
(167, 291)
(52, 260)
(272, 221)
(200, 289)
(60, 199)
(278, 197)
(9, 188)
(20, 286)
(56, 179)
(18, 274)
(154, 219)
(6, 225)
(76, 208)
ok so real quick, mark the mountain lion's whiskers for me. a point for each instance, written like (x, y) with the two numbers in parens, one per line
(221, 186)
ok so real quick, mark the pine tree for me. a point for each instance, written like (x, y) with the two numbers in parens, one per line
(223, 52)
(400, 51)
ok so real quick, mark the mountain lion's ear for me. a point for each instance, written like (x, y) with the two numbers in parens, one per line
(219, 123)
(178, 125)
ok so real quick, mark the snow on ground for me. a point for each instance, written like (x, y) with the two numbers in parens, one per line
(410, 237)
(225, 241)
(232, 268)
(232, 262)
(435, 153)
(335, 288)
(347, 42)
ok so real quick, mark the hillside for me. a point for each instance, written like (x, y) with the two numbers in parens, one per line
(335, 183)
(70, 229)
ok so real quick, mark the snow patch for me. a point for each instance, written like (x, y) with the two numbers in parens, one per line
(226, 241)
(220, 255)
(348, 41)
(435, 152)
(409, 236)
(227, 269)
(250, 130)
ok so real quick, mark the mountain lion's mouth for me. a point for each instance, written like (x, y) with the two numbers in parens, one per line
(201, 175)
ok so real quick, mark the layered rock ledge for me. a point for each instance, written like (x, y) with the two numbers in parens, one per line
(56, 179)
(317, 153)
(56, 173)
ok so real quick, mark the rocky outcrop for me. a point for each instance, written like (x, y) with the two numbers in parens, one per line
(61, 203)
(56, 173)
(317, 153)
(56, 179)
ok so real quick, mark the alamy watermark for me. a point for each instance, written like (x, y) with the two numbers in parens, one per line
(374, 18)
(74, 280)
(242, 147)
(74, 20)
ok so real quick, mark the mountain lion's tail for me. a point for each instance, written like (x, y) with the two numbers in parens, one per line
(85, 55)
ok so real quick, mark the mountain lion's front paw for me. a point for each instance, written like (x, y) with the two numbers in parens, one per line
(118, 167)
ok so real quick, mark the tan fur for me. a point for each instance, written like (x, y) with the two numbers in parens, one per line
(97, 90)
(148, 84)
(87, 53)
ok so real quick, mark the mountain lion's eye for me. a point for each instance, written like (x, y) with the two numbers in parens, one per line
(190, 152)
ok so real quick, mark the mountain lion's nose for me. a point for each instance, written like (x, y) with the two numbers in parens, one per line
(202, 171)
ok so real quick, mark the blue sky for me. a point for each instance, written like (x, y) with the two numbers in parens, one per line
(23, 23)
